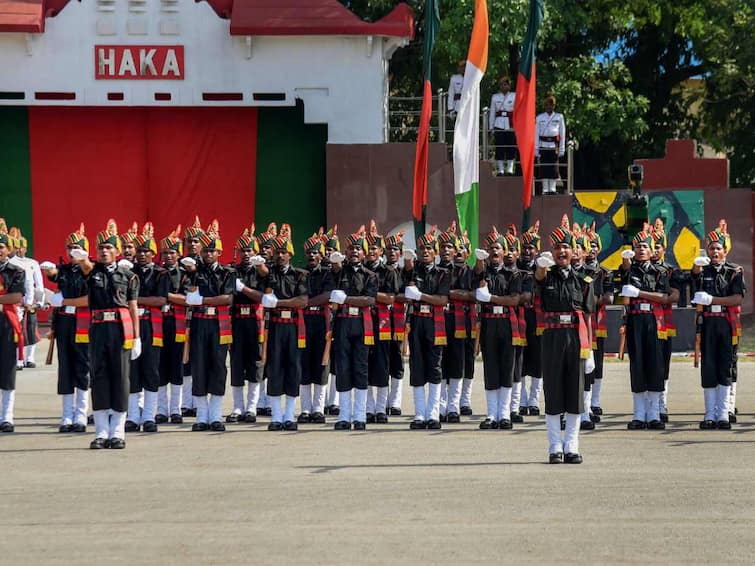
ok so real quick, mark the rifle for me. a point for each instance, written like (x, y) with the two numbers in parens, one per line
(407, 327)
(623, 330)
(329, 334)
(698, 334)
(187, 343)
(51, 349)
(263, 355)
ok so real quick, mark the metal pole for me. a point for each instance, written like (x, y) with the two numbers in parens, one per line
(570, 167)
(441, 116)
(484, 134)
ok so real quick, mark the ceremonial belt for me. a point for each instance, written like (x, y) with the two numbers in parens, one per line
(540, 321)
(425, 310)
(510, 313)
(255, 311)
(383, 315)
(668, 319)
(399, 321)
(83, 319)
(155, 317)
(365, 314)
(599, 325)
(570, 319)
(731, 314)
(549, 139)
(286, 316)
(522, 326)
(12, 315)
(180, 313)
(503, 114)
(736, 323)
(223, 316)
(120, 314)
(458, 309)
(640, 306)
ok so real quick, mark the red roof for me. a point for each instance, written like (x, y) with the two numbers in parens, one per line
(27, 16)
(309, 17)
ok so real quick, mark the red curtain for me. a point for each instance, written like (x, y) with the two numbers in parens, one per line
(138, 164)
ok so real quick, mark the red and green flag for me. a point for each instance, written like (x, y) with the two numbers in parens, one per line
(419, 200)
(524, 108)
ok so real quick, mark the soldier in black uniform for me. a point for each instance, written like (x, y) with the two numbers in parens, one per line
(428, 287)
(590, 273)
(461, 298)
(388, 286)
(248, 330)
(70, 323)
(497, 289)
(473, 327)
(530, 396)
(645, 289)
(317, 319)
(12, 280)
(394, 248)
(720, 289)
(675, 284)
(511, 260)
(114, 339)
(266, 241)
(128, 245)
(208, 290)
(603, 297)
(285, 297)
(174, 333)
(332, 245)
(154, 286)
(354, 293)
(193, 248)
(567, 301)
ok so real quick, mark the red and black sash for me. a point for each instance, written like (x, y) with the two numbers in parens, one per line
(668, 319)
(83, 320)
(180, 314)
(276, 315)
(11, 314)
(460, 320)
(156, 318)
(540, 320)
(399, 321)
(553, 320)
(656, 309)
(439, 321)
(384, 322)
(223, 316)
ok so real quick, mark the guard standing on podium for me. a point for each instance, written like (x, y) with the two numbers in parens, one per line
(501, 123)
(550, 144)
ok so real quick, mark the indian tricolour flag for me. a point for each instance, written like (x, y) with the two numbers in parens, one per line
(467, 129)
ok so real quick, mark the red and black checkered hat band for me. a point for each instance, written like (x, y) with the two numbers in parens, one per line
(562, 236)
(449, 238)
(314, 243)
(643, 237)
(248, 242)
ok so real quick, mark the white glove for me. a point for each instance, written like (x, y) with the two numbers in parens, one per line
(269, 300)
(256, 260)
(56, 300)
(627, 254)
(545, 260)
(239, 285)
(125, 263)
(412, 293)
(188, 262)
(337, 296)
(337, 258)
(630, 291)
(590, 363)
(481, 254)
(136, 349)
(702, 298)
(79, 255)
(193, 298)
(702, 261)
(47, 265)
(410, 254)
(482, 294)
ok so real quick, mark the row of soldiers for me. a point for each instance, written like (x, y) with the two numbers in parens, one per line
(143, 331)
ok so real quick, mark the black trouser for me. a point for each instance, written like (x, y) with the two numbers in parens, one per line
(207, 357)
(531, 361)
(717, 352)
(396, 361)
(563, 375)
(351, 354)
(73, 358)
(145, 370)
(518, 363)
(246, 352)
(171, 354)
(548, 167)
(454, 354)
(734, 359)
(109, 366)
(425, 357)
(666, 352)
(283, 359)
(645, 353)
(505, 144)
(497, 353)
(31, 328)
(312, 370)
(378, 362)
(8, 353)
(597, 373)
(469, 356)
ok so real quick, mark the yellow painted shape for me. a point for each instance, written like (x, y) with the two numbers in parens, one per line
(620, 218)
(613, 261)
(686, 248)
(596, 201)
